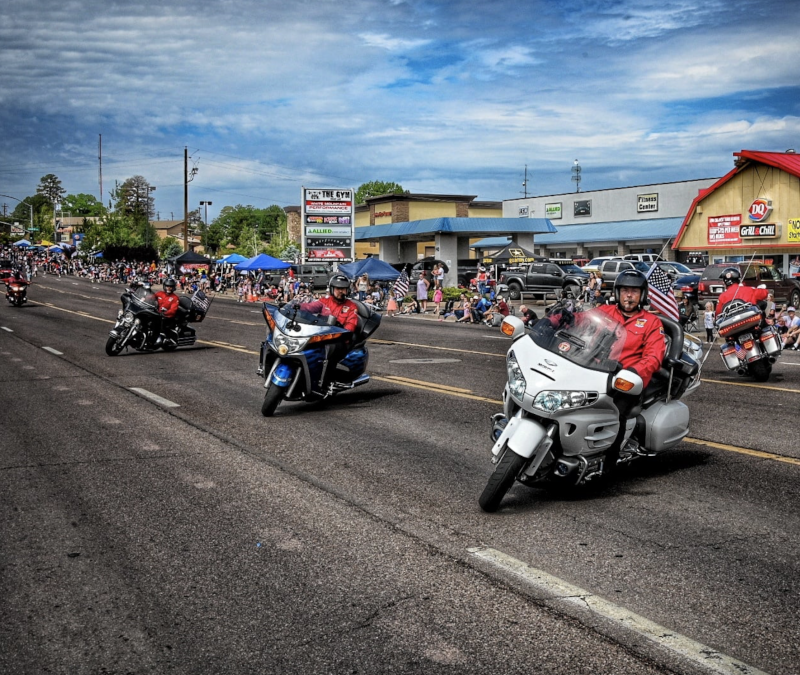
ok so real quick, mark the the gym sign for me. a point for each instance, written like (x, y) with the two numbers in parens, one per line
(759, 210)
(747, 231)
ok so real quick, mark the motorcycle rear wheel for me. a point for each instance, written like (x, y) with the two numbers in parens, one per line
(760, 370)
(272, 398)
(113, 346)
(501, 480)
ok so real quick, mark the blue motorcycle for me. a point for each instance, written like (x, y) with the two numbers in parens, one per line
(307, 357)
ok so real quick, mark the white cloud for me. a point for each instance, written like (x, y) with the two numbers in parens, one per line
(392, 44)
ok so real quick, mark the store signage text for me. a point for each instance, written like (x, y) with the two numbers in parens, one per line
(724, 230)
(552, 211)
(759, 210)
(793, 233)
(770, 230)
(383, 214)
(328, 215)
(646, 203)
(523, 211)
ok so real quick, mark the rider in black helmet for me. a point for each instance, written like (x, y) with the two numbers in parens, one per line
(734, 290)
(730, 276)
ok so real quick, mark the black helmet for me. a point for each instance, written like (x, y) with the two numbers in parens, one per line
(170, 283)
(338, 281)
(631, 279)
(731, 275)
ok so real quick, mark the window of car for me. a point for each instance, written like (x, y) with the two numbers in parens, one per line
(553, 269)
(609, 266)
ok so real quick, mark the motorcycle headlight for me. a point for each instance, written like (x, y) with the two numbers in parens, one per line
(550, 401)
(516, 380)
(128, 318)
(283, 344)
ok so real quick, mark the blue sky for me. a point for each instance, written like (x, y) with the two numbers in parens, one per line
(448, 97)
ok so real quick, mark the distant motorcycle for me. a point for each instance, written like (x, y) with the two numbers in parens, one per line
(140, 325)
(751, 346)
(296, 361)
(17, 292)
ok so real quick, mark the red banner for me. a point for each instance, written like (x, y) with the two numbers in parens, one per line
(724, 230)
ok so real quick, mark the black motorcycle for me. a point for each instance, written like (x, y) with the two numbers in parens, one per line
(140, 325)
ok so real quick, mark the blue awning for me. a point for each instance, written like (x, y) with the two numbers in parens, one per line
(623, 230)
(464, 226)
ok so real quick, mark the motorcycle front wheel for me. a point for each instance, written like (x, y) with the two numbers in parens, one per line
(113, 346)
(501, 480)
(272, 398)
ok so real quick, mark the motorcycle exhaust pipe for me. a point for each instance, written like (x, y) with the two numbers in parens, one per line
(341, 386)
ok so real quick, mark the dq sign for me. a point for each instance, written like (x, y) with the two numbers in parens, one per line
(760, 209)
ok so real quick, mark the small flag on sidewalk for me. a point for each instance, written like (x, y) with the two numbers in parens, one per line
(401, 285)
(662, 298)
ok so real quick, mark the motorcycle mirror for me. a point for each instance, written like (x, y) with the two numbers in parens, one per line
(628, 382)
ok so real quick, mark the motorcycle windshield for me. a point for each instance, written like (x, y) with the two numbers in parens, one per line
(589, 339)
(294, 313)
(142, 299)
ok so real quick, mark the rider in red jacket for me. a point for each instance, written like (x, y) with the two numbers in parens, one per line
(336, 303)
(168, 300)
(736, 291)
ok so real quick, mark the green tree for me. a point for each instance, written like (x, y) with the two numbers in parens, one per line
(238, 220)
(213, 236)
(50, 187)
(169, 248)
(134, 198)
(83, 205)
(376, 188)
(273, 221)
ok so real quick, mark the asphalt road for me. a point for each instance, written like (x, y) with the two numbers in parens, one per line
(346, 537)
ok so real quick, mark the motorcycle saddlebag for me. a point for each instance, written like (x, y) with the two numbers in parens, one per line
(770, 341)
(664, 425)
(739, 322)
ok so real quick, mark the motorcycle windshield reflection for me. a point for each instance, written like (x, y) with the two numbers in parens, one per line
(293, 312)
(589, 339)
(144, 299)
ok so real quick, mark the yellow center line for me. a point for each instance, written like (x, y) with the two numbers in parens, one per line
(447, 349)
(428, 386)
(754, 386)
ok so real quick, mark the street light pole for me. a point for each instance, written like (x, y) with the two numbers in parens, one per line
(206, 204)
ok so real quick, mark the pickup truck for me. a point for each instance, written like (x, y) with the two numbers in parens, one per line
(542, 278)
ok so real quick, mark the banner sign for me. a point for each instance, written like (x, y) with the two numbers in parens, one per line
(328, 217)
(552, 211)
(646, 203)
(724, 230)
(523, 211)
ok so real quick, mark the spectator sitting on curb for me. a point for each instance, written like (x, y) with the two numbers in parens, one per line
(790, 340)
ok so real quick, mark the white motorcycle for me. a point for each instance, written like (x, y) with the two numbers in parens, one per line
(561, 402)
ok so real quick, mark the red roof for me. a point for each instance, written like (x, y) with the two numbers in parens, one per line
(788, 162)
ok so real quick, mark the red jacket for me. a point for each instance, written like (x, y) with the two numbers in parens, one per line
(645, 345)
(169, 302)
(739, 292)
(346, 312)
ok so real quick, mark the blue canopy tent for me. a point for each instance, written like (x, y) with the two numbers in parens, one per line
(231, 259)
(22, 243)
(262, 262)
(376, 270)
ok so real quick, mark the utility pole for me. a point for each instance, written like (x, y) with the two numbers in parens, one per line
(100, 164)
(525, 183)
(187, 178)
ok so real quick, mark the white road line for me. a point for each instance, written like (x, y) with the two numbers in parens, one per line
(8, 330)
(694, 651)
(53, 351)
(155, 398)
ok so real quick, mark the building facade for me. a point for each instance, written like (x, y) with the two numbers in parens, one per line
(751, 212)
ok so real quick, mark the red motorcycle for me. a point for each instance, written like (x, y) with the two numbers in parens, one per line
(17, 291)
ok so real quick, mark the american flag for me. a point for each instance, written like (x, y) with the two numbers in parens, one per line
(660, 291)
(401, 285)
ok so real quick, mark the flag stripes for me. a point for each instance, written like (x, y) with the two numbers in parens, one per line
(661, 295)
(401, 285)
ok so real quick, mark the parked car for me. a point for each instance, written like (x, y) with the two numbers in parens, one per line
(610, 270)
(784, 289)
(643, 257)
(594, 264)
(467, 268)
(316, 274)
